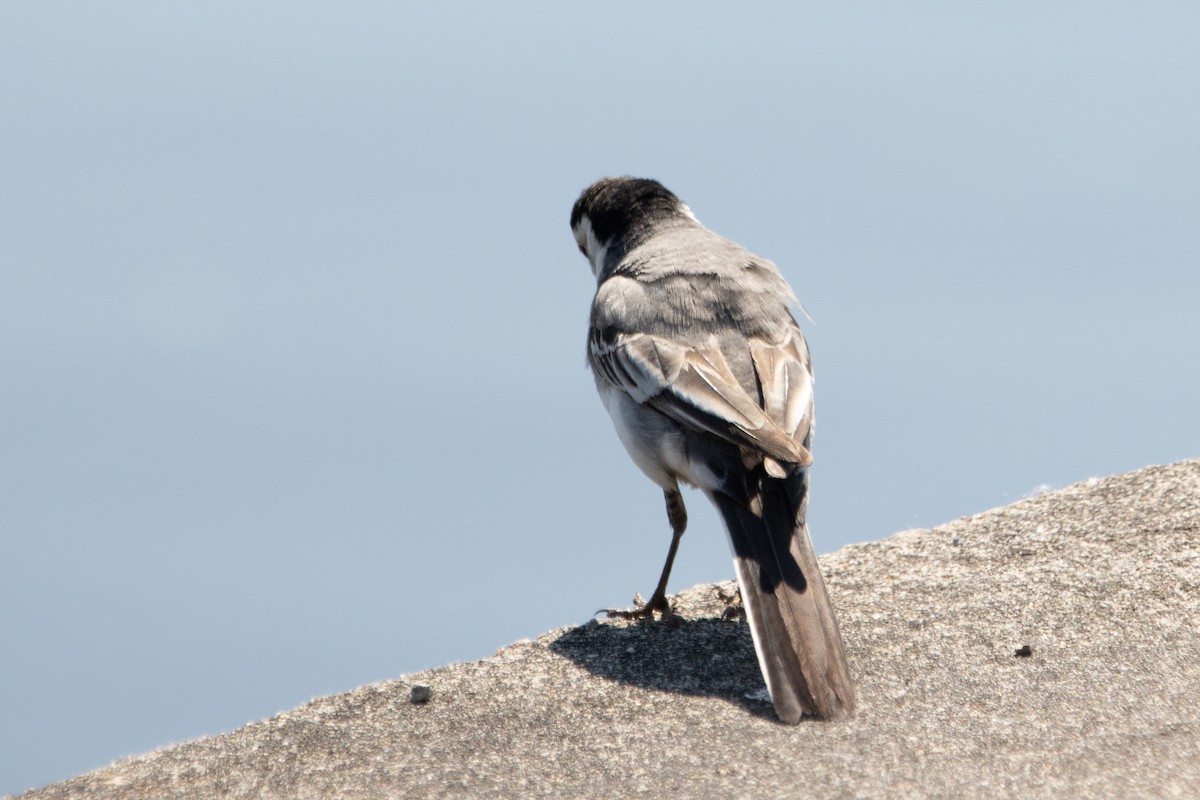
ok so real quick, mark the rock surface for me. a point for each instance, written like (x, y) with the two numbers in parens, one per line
(1050, 648)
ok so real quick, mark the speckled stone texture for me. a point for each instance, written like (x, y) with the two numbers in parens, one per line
(1097, 583)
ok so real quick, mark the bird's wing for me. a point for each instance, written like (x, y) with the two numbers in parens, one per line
(696, 387)
(785, 382)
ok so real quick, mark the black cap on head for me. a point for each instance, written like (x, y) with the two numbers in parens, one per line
(616, 206)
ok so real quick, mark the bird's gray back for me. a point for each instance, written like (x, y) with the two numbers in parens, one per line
(691, 281)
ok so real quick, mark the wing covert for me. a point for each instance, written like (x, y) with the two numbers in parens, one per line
(697, 388)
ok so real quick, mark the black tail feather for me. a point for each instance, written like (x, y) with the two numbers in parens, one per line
(791, 618)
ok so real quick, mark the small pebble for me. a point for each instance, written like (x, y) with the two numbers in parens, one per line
(420, 693)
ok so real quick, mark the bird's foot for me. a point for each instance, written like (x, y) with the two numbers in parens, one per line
(641, 608)
(733, 603)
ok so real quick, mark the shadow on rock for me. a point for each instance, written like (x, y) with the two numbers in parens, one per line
(707, 657)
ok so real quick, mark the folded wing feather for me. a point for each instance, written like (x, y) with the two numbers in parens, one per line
(696, 387)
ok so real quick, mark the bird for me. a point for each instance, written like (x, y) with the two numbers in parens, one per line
(705, 372)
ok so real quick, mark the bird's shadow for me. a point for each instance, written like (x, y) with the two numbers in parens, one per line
(704, 657)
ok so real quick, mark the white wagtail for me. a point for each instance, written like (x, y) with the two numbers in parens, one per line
(706, 376)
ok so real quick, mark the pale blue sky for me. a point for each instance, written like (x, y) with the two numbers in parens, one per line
(292, 322)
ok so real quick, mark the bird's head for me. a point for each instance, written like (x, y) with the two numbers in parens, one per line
(614, 214)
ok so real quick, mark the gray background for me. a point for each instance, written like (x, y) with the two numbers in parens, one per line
(291, 320)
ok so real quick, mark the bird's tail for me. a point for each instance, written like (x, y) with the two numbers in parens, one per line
(791, 619)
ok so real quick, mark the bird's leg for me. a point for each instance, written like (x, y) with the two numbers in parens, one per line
(677, 515)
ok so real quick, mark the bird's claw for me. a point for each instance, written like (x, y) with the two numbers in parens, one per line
(641, 609)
